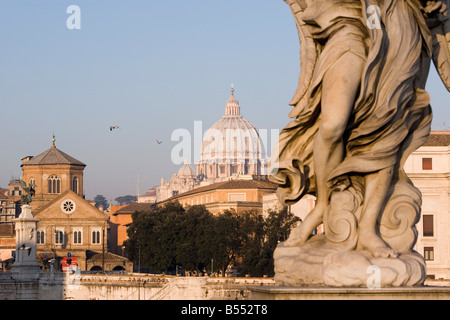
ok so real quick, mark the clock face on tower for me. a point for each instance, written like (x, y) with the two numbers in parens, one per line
(68, 206)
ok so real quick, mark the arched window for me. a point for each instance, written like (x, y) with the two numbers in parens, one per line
(96, 237)
(54, 185)
(75, 185)
(77, 237)
(40, 237)
(59, 236)
(96, 268)
(118, 268)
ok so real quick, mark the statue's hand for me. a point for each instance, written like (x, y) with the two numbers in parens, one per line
(434, 8)
(434, 12)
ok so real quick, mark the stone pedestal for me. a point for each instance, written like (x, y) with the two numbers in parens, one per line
(25, 267)
(304, 293)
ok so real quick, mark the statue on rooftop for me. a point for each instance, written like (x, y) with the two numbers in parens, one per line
(359, 111)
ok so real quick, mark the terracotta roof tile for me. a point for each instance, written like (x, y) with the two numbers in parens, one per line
(53, 156)
(96, 256)
(131, 208)
(231, 184)
(438, 139)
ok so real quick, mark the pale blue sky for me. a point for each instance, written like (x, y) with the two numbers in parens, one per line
(149, 67)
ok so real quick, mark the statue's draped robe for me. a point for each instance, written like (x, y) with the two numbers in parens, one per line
(391, 116)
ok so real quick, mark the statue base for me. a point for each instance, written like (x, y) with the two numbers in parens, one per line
(337, 259)
(325, 293)
(321, 264)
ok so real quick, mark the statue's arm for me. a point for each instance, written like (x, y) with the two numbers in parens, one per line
(297, 5)
(308, 56)
(437, 17)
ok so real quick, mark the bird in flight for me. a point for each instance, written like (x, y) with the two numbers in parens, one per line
(111, 128)
(158, 142)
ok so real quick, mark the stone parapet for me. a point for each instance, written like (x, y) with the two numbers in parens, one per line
(325, 293)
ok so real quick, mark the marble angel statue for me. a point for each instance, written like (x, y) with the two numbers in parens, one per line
(359, 111)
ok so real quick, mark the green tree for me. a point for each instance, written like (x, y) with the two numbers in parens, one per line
(100, 201)
(227, 241)
(169, 236)
(253, 232)
(125, 199)
(165, 236)
(278, 226)
(195, 249)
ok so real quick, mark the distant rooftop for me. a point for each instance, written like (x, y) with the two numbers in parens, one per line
(230, 184)
(52, 156)
(438, 139)
(135, 206)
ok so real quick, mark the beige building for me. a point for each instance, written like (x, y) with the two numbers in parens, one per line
(182, 181)
(429, 169)
(148, 197)
(9, 210)
(239, 195)
(8, 207)
(53, 172)
(68, 224)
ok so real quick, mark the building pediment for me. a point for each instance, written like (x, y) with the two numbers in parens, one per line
(70, 205)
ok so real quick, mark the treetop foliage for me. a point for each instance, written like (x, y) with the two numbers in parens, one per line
(169, 236)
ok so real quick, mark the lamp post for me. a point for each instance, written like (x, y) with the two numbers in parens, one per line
(103, 249)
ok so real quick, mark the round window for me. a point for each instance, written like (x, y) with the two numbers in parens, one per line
(68, 206)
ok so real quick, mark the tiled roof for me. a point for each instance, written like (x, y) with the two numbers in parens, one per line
(95, 256)
(231, 184)
(132, 208)
(150, 193)
(438, 139)
(53, 156)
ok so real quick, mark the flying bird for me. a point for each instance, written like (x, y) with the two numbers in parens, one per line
(111, 128)
(158, 142)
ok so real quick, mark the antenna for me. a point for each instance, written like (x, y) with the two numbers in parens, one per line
(137, 186)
